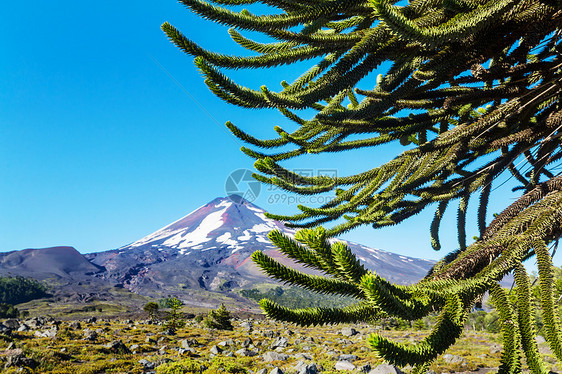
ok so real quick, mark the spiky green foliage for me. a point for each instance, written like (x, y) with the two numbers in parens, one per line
(152, 308)
(473, 90)
(8, 311)
(174, 318)
(218, 319)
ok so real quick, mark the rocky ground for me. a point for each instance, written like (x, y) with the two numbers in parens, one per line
(46, 345)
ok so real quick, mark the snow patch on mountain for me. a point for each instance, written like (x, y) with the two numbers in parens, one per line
(224, 203)
(229, 232)
(246, 236)
(219, 224)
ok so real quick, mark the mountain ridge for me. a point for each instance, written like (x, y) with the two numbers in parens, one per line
(217, 240)
(61, 261)
(202, 256)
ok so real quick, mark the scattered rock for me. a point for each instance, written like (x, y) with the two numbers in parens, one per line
(5, 329)
(170, 332)
(453, 359)
(246, 343)
(349, 358)
(539, 338)
(274, 356)
(75, 325)
(344, 365)
(229, 343)
(386, 369)
(185, 344)
(276, 370)
(117, 346)
(280, 342)
(348, 331)
(12, 324)
(33, 323)
(545, 350)
(18, 359)
(90, 335)
(262, 371)
(189, 343)
(23, 328)
(147, 364)
(244, 352)
(270, 334)
(247, 326)
(215, 350)
(191, 351)
(495, 349)
(304, 356)
(306, 368)
(50, 333)
(11, 351)
(365, 368)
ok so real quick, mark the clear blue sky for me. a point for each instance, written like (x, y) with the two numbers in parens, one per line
(100, 145)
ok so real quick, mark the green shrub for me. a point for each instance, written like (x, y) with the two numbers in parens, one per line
(17, 290)
(174, 318)
(419, 325)
(8, 311)
(227, 365)
(180, 367)
(152, 309)
(218, 319)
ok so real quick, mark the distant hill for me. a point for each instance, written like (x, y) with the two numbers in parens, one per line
(60, 262)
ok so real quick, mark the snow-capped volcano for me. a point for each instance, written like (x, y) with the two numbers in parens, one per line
(209, 250)
(222, 223)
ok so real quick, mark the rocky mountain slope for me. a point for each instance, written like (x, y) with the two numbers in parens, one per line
(209, 251)
(202, 258)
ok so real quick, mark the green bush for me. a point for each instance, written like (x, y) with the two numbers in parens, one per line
(218, 319)
(17, 290)
(226, 365)
(174, 318)
(180, 367)
(151, 309)
(8, 311)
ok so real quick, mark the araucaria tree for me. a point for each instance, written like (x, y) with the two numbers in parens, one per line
(175, 318)
(218, 319)
(473, 87)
